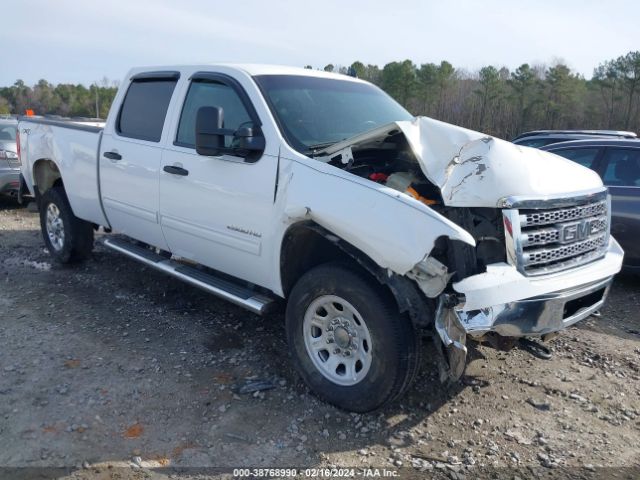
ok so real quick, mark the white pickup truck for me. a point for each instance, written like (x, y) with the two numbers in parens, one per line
(262, 183)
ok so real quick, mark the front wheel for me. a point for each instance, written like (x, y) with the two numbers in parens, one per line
(68, 238)
(348, 339)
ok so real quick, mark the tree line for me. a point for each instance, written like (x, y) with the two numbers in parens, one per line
(494, 100)
(504, 103)
(64, 99)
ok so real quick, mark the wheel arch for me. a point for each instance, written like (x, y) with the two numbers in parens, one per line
(306, 244)
(45, 174)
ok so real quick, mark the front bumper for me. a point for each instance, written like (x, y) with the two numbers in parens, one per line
(539, 315)
(554, 303)
(504, 301)
(9, 180)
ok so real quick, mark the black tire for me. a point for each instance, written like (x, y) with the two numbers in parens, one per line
(395, 343)
(77, 242)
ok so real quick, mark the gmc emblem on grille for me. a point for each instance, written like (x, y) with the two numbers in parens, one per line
(578, 231)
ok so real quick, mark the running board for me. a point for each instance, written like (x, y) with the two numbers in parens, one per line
(233, 292)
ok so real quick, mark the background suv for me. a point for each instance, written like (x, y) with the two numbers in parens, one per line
(9, 164)
(540, 138)
(618, 163)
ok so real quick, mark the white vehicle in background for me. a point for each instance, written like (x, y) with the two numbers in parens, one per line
(375, 226)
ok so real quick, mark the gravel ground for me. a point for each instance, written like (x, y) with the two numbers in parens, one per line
(114, 371)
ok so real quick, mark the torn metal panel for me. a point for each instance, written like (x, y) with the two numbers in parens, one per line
(344, 156)
(431, 276)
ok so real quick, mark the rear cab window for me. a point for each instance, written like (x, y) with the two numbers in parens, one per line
(144, 108)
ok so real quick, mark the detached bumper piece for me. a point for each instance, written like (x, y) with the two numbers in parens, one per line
(536, 316)
(453, 336)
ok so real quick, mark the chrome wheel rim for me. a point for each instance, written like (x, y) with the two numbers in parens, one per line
(337, 340)
(55, 227)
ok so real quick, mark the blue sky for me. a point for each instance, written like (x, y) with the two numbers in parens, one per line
(85, 40)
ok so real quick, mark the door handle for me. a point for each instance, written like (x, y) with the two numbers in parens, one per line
(112, 155)
(173, 170)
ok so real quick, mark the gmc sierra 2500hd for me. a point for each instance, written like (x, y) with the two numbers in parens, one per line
(259, 183)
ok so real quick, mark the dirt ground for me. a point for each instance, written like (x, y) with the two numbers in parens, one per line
(115, 371)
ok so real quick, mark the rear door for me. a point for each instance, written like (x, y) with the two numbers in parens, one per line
(620, 172)
(130, 156)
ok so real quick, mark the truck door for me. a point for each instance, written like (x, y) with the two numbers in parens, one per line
(130, 155)
(217, 210)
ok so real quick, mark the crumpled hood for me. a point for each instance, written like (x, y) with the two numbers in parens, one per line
(476, 170)
(473, 169)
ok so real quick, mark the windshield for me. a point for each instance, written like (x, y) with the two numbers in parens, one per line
(8, 132)
(315, 112)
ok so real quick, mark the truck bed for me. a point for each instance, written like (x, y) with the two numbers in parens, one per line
(74, 146)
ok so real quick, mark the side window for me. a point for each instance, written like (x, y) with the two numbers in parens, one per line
(622, 167)
(144, 109)
(583, 156)
(208, 93)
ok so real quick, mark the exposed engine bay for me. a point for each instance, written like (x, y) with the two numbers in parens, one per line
(391, 162)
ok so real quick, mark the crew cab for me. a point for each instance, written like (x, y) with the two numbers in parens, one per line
(262, 184)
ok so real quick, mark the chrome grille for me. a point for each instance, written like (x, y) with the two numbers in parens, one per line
(552, 234)
(546, 255)
(547, 240)
(541, 237)
(563, 214)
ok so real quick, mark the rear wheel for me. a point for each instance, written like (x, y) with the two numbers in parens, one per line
(68, 238)
(349, 342)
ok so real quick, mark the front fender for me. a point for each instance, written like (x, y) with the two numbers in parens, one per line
(391, 228)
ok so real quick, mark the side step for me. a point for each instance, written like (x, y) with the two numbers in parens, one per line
(233, 292)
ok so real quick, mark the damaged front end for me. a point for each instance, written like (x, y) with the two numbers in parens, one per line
(541, 257)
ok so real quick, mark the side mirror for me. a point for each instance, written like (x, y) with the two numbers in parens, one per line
(209, 131)
(210, 136)
(246, 139)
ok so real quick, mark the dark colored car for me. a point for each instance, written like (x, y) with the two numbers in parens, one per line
(618, 164)
(9, 163)
(540, 138)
